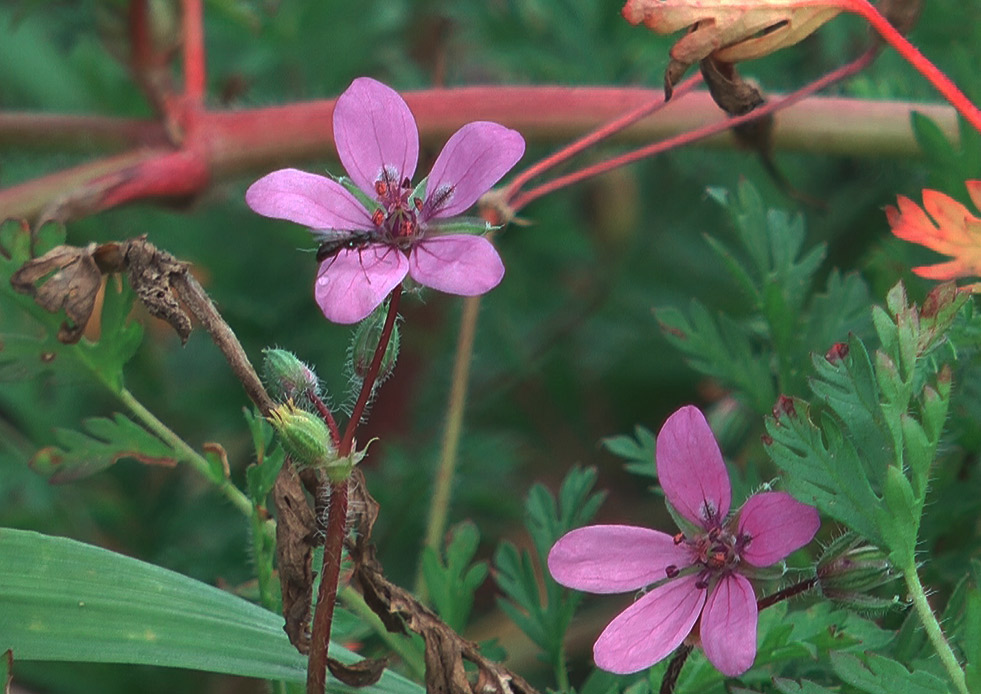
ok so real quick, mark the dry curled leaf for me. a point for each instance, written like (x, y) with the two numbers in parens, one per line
(363, 673)
(945, 226)
(70, 280)
(728, 31)
(296, 529)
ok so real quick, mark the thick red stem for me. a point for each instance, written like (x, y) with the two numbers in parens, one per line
(194, 65)
(323, 615)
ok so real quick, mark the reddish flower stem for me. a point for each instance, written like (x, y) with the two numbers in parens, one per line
(369, 380)
(786, 593)
(907, 50)
(325, 414)
(689, 137)
(337, 514)
(596, 136)
(323, 615)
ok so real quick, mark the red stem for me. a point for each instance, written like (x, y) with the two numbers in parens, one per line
(596, 136)
(689, 137)
(328, 418)
(786, 593)
(369, 380)
(938, 79)
(194, 64)
(323, 615)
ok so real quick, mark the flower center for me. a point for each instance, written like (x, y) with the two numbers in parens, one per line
(398, 218)
(714, 553)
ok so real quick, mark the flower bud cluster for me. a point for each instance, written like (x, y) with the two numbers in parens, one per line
(849, 570)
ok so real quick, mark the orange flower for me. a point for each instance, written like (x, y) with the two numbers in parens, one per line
(950, 229)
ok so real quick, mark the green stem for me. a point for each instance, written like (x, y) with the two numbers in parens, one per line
(933, 630)
(184, 451)
(561, 673)
(445, 471)
(402, 645)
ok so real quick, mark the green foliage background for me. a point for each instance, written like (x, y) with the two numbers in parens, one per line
(568, 349)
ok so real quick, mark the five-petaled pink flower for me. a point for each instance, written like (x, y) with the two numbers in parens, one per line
(397, 233)
(699, 573)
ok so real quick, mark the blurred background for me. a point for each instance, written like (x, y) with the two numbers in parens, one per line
(568, 351)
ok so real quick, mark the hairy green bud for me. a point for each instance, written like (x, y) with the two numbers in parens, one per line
(849, 570)
(365, 342)
(304, 436)
(289, 379)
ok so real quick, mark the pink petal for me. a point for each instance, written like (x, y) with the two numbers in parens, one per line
(307, 199)
(651, 628)
(777, 524)
(614, 558)
(351, 284)
(728, 627)
(690, 468)
(456, 264)
(472, 160)
(374, 128)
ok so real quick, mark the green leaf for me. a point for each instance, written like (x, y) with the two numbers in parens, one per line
(80, 454)
(452, 585)
(65, 600)
(638, 450)
(6, 670)
(880, 675)
(823, 469)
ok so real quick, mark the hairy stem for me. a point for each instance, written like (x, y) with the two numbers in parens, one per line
(188, 454)
(933, 630)
(323, 615)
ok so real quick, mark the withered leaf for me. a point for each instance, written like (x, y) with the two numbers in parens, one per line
(729, 90)
(295, 533)
(73, 286)
(150, 273)
(363, 673)
(728, 30)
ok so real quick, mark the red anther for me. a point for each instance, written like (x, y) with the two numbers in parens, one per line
(406, 183)
(378, 217)
(381, 187)
(701, 584)
(418, 203)
(838, 351)
(717, 560)
(679, 538)
(671, 571)
(767, 440)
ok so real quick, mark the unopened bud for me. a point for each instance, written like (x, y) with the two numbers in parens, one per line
(304, 436)
(365, 342)
(849, 569)
(289, 379)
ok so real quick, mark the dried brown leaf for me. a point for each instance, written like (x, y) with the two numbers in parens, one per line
(295, 538)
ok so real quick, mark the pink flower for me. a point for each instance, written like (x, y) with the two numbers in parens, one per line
(698, 573)
(392, 233)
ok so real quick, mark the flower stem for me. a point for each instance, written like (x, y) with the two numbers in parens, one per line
(596, 136)
(933, 630)
(323, 615)
(786, 593)
(439, 506)
(368, 385)
(188, 454)
(670, 680)
(686, 138)
(907, 50)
